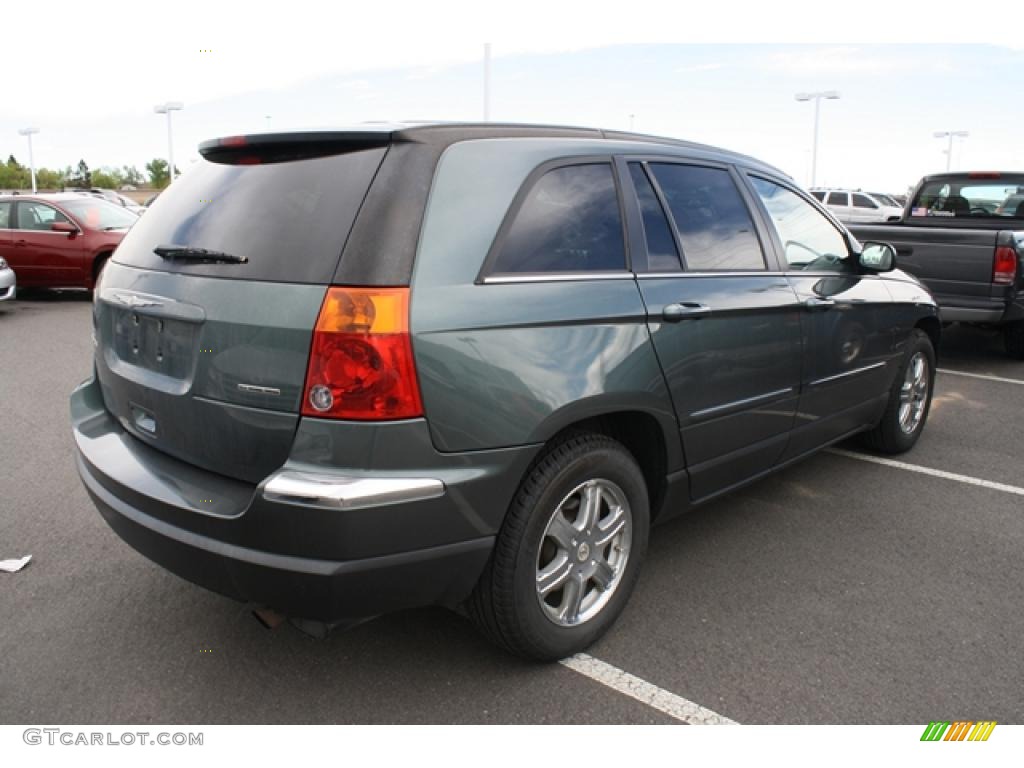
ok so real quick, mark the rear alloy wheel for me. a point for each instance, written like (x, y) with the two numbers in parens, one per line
(569, 552)
(909, 400)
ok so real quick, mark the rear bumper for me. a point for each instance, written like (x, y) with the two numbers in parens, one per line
(323, 590)
(323, 544)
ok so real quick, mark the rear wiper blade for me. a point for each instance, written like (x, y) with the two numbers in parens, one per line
(187, 253)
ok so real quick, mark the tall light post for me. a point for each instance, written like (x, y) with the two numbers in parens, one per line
(949, 147)
(165, 109)
(31, 160)
(816, 97)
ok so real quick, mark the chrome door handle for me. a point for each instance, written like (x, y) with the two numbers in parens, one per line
(816, 303)
(673, 313)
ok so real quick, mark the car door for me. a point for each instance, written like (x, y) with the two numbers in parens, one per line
(864, 210)
(839, 204)
(44, 257)
(725, 327)
(847, 328)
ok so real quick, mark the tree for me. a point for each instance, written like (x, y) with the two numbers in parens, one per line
(80, 177)
(12, 163)
(107, 178)
(157, 170)
(47, 179)
(130, 175)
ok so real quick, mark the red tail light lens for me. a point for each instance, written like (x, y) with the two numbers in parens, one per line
(1004, 266)
(361, 365)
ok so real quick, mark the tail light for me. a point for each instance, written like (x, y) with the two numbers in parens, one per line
(361, 365)
(1004, 266)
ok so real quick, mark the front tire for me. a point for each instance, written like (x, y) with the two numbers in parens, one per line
(569, 553)
(909, 400)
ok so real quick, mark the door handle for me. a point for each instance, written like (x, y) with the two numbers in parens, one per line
(818, 303)
(673, 313)
(19, 243)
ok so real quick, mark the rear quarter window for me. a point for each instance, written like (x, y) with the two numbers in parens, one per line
(289, 219)
(569, 221)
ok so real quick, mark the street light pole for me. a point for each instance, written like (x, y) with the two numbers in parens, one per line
(31, 160)
(166, 109)
(949, 146)
(816, 97)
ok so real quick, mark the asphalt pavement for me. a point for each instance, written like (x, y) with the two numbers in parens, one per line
(837, 591)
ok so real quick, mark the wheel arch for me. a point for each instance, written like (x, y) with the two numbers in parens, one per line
(652, 438)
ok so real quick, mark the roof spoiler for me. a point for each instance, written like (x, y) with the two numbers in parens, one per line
(261, 148)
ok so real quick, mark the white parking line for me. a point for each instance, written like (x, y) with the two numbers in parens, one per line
(981, 376)
(644, 692)
(929, 471)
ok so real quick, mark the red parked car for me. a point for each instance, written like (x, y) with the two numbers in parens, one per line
(61, 240)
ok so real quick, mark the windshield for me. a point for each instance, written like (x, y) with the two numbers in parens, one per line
(95, 213)
(969, 198)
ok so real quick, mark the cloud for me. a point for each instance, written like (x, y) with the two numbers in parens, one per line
(847, 60)
(700, 68)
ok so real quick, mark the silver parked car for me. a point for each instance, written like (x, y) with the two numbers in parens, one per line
(8, 282)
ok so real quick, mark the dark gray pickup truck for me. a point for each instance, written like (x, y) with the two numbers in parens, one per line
(962, 235)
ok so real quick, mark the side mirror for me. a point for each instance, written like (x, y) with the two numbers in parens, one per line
(64, 226)
(878, 257)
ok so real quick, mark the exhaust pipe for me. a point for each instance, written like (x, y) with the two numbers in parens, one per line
(268, 618)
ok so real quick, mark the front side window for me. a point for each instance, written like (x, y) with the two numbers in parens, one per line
(863, 201)
(662, 254)
(38, 216)
(96, 213)
(809, 240)
(714, 226)
(5, 215)
(569, 222)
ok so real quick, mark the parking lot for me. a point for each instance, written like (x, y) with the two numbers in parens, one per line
(838, 591)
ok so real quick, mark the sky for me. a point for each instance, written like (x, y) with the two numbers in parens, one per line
(235, 64)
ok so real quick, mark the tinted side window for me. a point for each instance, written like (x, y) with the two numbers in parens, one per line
(863, 201)
(808, 238)
(38, 216)
(662, 254)
(714, 225)
(819, 194)
(569, 222)
(838, 198)
(5, 215)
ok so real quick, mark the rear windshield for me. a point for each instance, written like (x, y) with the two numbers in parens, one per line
(290, 220)
(99, 214)
(970, 198)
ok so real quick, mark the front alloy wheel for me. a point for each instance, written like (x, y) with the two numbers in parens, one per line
(914, 393)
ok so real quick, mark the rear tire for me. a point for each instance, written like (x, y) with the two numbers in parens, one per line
(1013, 339)
(569, 552)
(910, 399)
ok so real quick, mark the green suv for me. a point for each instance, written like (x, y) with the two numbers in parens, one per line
(344, 373)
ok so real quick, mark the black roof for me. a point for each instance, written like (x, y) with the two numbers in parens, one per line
(444, 134)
